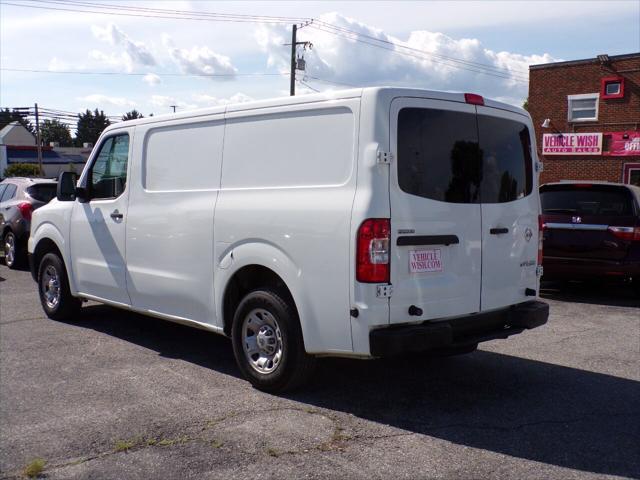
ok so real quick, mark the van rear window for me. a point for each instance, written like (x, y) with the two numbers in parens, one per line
(438, 155)
(590, 200)
(461, 157)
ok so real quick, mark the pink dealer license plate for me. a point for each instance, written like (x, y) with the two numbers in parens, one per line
(425, 260)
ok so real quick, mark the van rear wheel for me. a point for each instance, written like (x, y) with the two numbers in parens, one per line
(53, 286)
(268, 344)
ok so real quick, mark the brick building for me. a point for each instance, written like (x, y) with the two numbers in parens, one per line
(587, 118)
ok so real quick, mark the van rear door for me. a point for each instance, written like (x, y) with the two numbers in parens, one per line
(435, 210)
(510, 207)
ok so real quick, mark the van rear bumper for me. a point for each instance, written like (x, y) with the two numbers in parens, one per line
(458, 332)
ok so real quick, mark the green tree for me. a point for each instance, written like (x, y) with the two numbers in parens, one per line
(22, 170)
(90, 126)
(55, 131)
(132, 115)
(525, 105)
(7, 116)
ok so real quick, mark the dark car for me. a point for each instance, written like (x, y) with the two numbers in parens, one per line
(18, 198)
(591, 231)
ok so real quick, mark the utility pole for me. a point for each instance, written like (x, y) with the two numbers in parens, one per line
(294, 43)
(292, 82)
(38, 141)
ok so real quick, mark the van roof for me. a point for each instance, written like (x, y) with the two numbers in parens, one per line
(388, 92)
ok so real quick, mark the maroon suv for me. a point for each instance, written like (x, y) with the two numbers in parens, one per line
(591, 231)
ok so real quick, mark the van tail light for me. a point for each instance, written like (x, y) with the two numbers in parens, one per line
(373, 251)
(25, 210)
(473, 99)
(626, 233)
(540, 235)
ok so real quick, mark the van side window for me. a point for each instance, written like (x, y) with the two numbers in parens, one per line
(438, 155)
(506, 160)
(109, 170)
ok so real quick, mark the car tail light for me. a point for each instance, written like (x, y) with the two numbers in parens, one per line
(626, 233)
(25, 210)
(473, 99)
(373, 251)
(540, 232)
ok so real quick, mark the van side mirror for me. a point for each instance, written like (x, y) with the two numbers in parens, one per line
(66, 189)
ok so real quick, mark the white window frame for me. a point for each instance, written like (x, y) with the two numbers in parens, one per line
(613, 82)
(584, 96)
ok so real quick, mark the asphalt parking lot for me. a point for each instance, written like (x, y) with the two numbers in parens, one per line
(118, 395)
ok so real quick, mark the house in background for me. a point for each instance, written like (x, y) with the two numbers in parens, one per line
(18, 145)
(587, 118)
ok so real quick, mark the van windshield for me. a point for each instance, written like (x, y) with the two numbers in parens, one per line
(461, 157)
(586, 200)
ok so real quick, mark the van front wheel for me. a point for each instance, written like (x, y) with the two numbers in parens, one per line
(53, 286)
(267, 342)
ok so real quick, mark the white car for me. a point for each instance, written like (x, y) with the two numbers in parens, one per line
(361, 223)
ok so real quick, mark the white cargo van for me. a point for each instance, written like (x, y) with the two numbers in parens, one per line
(360, 223)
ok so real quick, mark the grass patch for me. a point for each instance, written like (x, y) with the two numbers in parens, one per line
(166, 442)
(216, 443)
(34, 468)
(124, 445)
(272, 452)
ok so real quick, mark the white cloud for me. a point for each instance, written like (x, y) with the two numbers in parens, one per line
(165, 101)
(428, 60)
(151, 79)
(210, 101)
(99, 100)
(136, 52)
(200, 60)
(115, 61)
(57, 65)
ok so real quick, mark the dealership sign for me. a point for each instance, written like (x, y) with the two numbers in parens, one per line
(572, 144)
(623, 144)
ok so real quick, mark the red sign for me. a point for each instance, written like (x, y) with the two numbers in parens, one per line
(572, 144)
(624, 144)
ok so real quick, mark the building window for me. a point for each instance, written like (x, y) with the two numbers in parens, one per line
(612, 87)
(583, 108)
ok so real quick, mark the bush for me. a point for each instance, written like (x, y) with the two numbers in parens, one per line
(22, 170)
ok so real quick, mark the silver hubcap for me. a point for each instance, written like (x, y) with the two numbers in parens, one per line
(9, 249)
(51, 286)
(262, 341)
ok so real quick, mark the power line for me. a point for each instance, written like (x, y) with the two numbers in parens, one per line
(138, 74)
(333, 82)
(425, 55)
(320, 25)
(171, 15)
(177, 12)
(398, 45)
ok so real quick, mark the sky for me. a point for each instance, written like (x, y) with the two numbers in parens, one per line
(131, 58)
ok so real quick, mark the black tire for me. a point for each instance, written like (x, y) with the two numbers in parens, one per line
(294, 366)
(17, 257)
(635, 285)
(67, 306)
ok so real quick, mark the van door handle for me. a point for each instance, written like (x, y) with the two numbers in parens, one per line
(417, 240)
(498, 231)
(116, 215)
